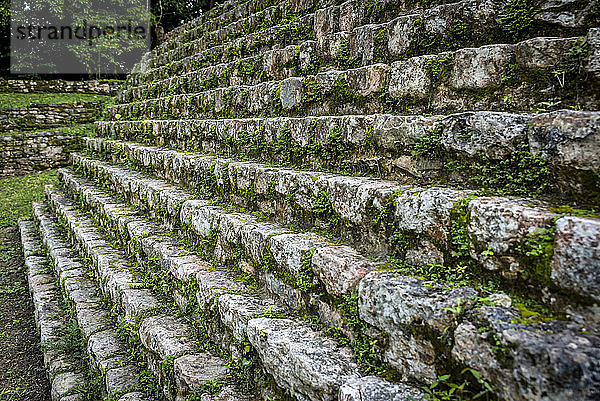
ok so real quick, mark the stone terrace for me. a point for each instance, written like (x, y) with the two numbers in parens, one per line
(343, 201)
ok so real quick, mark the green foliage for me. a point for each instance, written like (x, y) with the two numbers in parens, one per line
(364, 347)
(343, 58)
(520, 173)
(444, 388)
(431, 144)
(305, 279)
(516, 20)
(310, 92)
(537, 248)
(212, 387)
(323, 210)
(17, 193)
(439, 68)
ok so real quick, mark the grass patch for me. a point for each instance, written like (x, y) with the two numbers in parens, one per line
(17, 193)
(73, 130)
(25, 99)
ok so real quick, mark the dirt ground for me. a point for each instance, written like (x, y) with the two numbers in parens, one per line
(22, 374)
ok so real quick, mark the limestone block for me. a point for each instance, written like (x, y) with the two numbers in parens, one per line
(289, 249)
(410, 78)
(500, 224)
(300, 360)
(375, 389)
(393, 302)
(546, 359)
(194, 370)
(480, 68)
(427, 211)
(340, 268)
(165, 336)
(567, 138)
(577, 255)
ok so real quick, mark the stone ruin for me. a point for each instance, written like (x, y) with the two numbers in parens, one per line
(338, 200)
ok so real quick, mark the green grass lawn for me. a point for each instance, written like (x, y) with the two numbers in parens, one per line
(25, 99)
(17, 193)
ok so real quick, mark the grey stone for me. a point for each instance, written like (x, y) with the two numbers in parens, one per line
(480, 68)
(301, 361)
(165, 336)
(392, 302)
(135, 396)
(340, 268)
(375, 389)
(121, 378)
(104, 345)
(548, 362)
(567, 138)
(193, 370)
(290, 93)
(410, 78)
(63, 383)
(577, 255)
(288, 249)
(427, 211)
(136, 302)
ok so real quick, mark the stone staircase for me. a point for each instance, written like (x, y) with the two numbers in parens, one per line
(340, 201)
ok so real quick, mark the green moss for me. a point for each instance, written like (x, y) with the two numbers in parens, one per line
(323, 210)
(517, 19)
(343, 58)
(537, 249)
(311, 92)
(305, 281)
(212, 387)
(520, 173)
(17, 193)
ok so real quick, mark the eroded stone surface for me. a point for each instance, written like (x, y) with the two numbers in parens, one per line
(301, 360)
(340, 268)
(165, 336)
(576, 262)
(543, 357)
(375, 389)
(195, 369)
(392, 301)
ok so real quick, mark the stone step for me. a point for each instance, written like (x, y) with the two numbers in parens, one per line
(51, 321)
(107, 353)
(350, 13)
(407, 149)
(204, 36)
(315, 366)
(536, 359)
(384, 42)
(335, 46)
(204, 51)
(223, 14)
(398, 305)
(504, 77)
(496, 229)
(347, 35)
(166, 341)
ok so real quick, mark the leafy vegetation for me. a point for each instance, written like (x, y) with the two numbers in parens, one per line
(25, 99)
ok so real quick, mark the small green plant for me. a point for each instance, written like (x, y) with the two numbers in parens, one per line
(516, 20)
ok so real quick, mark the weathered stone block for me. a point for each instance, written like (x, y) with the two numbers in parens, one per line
(340, 268)
(576, 261)
(480, 68)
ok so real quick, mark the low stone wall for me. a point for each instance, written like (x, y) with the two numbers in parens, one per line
(48, 115)
(101, 87)
(26, 153)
